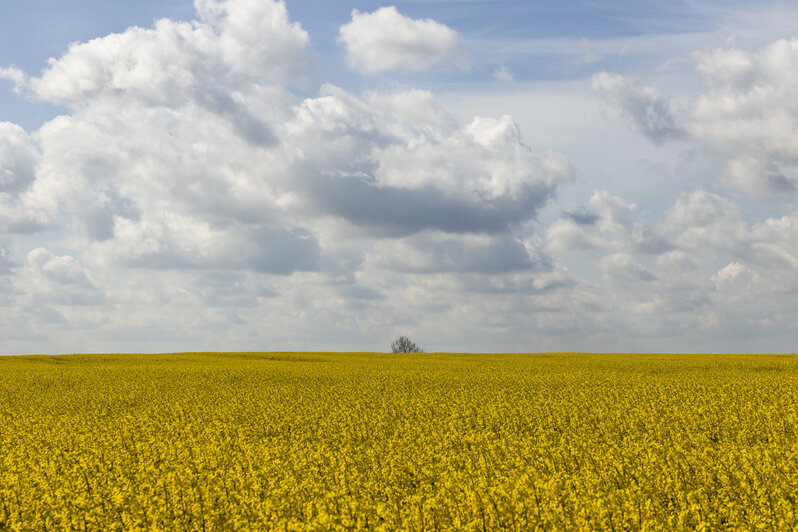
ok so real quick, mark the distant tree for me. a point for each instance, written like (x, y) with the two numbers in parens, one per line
(403, 344)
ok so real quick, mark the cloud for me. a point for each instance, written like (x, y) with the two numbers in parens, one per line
(389, 169)
(182, 150)
(644, 107)
(583, 216)
(63, 269)
(7, 262)
(224, 289)
(257, 39)
(237, 42)
(706, 221)
(18, 159)
(748, 115)
(565, 235)
(19, 210)
(59, 280)
(607, 224)
(624, 268)
(387, 40)
(616, 218)
(436, 253)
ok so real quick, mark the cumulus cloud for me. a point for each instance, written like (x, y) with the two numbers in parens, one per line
(393, 172)
(437, 253)
(236, 42)
(62, 269)
(607, 224)
(59, 280)
(185, 150)
(748, 114)
(705, 221)
(566, 235)
(18, 159)
(615, 217)
(19, 210)
(644, 107)
(387, 40)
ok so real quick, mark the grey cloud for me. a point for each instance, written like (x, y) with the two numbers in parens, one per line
(97, 221)
(647, 240)
(284, 251)
(246, 124)
(48, 315)
(364, 162)
(92, 297)
(582, 217)
(19, 212)
(439, 253)
(18, 159)
(222, 289)
(623, 267)
(394, 211)
(746, 113)
(354, 291)
(262, 249)
(616, 217)
(7, 262)
(535, 284)
(644, 107)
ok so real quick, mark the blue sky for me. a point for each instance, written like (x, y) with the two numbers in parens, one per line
(482, 176)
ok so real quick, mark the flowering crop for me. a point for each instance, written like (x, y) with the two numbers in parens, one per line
(253, 441)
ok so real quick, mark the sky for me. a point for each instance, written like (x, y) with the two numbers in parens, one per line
(480, 176)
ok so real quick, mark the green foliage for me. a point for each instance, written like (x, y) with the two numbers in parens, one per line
(253, 441)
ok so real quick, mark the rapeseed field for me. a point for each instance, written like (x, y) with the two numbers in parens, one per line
(319, 441)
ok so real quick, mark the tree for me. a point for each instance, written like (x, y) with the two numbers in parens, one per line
(403, 344)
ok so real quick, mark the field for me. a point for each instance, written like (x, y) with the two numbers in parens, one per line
(253, 441)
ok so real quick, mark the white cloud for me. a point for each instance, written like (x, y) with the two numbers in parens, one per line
(387, 40)
(748, 115)
(20, 212)
(18, 159)
(238, 42)
(62, 269)
(257, 39)
(182, 152)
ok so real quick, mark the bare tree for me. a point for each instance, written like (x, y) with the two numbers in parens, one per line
(403, 344)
